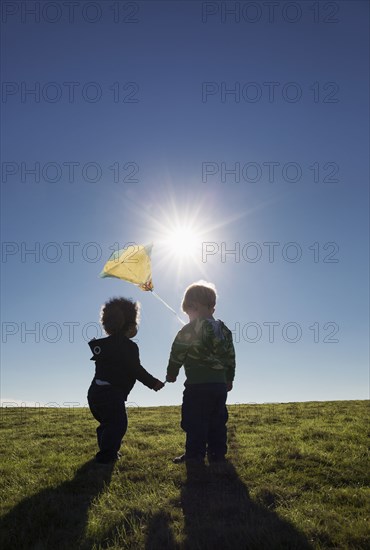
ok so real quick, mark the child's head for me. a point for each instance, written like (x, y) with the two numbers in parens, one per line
(120, 315)
(199, 300)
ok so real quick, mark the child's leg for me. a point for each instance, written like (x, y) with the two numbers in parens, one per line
(108, 407)
(94, 399)
(217, 431)
(99, 431)
(194, 420)
(112, 429)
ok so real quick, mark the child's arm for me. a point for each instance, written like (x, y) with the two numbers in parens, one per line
(178, 355)
(230, 361)
(140, 373)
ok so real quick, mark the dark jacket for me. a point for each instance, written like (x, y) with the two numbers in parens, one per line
(117, 362)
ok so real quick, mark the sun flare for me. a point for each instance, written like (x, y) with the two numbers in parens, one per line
(181, 225)
(182, 241)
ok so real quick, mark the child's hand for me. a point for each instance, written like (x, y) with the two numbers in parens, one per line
(158, 386)
(170, 379)
(229, 386)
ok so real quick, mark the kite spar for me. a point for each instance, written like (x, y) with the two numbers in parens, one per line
(133, 264)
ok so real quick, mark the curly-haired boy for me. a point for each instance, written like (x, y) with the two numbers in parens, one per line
(117, 367)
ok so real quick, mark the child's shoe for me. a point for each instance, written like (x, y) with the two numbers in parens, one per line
(102, 458)
(179, 459)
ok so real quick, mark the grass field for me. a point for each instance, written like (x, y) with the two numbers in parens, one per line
(296, 478)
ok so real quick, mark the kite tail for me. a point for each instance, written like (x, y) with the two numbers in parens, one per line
(169, 307)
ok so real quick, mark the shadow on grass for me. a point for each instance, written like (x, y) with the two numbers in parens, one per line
(219, 514)
(55, 518)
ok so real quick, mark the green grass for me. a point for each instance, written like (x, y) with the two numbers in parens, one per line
(296, 478)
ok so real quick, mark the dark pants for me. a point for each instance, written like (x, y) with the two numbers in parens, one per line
(204, 417)
(107, 405)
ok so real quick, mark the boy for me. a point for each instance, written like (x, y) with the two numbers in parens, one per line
(205, 347)
(117, 367)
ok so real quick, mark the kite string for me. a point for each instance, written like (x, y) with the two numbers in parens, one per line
(169, 307)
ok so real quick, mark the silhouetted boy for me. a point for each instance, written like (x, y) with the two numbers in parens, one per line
(117, 367)
(205, 347)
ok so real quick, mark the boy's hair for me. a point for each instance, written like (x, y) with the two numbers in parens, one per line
(118, 314)
(202, 293)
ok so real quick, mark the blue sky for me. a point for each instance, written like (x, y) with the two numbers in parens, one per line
(151, 96)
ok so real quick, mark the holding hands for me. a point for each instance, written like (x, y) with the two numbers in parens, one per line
(158, 386)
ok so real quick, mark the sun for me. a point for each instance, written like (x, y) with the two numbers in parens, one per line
(182, 241)
(181, 225)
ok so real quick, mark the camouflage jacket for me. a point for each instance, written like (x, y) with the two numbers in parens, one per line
(205, 348)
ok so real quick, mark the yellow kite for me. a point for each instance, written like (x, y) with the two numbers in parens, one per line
(131, 264)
